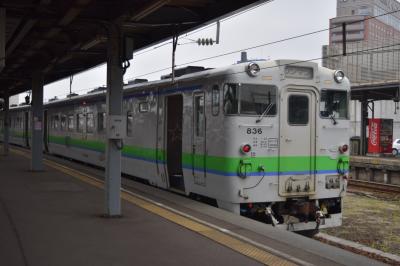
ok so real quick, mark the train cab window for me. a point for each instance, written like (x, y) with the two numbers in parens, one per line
(89, 123)
(231, 99)
(257, 99)
(80, 123)
(298, 110)
(71, 123)
(334, 104)
(215, 100)
(63, 123)
(129, 124)
(101, 122)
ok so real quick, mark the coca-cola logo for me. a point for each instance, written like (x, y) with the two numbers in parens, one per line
(374, 133)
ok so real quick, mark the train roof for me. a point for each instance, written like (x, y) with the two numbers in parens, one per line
(186, 78)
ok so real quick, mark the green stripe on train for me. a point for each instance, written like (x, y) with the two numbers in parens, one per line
(271, 164)
(216, 163)
(99, 146)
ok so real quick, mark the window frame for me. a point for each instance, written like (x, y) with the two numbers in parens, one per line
(199, 125)
(239, 99)
(71, 123)
(128, 126)
(348, 104)
(144, 103)
(65, 127)
(215, 105)
(93, 127)
(101, 116)
(308, 109)
(78, 121)
(55, 122)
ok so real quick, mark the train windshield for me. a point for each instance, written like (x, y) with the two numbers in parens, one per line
(334, 104)
(249, 99)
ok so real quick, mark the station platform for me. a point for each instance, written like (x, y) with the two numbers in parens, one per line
(55, 218)
(376, 169)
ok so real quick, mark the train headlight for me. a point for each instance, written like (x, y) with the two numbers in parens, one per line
(343, 148)
(246, 148)
(339, 76)
(253, 69)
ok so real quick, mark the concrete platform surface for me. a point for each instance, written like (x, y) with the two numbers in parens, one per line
(51, 218)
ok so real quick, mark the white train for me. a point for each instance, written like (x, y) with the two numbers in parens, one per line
(266, 140)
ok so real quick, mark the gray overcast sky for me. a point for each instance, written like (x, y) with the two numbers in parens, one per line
(270, 22)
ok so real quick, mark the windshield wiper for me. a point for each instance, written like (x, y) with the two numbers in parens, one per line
(269, 106)
(333, 120)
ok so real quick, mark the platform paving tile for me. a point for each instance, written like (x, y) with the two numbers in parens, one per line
(49, 218)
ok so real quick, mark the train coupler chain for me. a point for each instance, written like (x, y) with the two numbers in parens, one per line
(270, 214)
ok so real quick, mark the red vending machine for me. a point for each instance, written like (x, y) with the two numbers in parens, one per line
(380, 135)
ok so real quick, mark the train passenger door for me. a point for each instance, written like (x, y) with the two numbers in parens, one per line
(174, 142)
(199, 140)
(297, 142)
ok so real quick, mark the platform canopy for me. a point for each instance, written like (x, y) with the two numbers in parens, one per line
(376, 91)
(64, 37)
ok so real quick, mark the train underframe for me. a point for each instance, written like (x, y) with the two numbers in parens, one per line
(296, 214)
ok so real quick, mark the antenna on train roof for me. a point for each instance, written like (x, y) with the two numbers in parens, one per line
(244, 58)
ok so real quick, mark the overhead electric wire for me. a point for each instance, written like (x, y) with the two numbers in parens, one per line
(206, 27)
(280, 65)
(269, 43)
(286, 39)
(296, 62)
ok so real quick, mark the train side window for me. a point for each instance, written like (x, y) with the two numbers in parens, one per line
(80, 123)
(56, 122)
(199, 115)
(298, 112)
(144, 107)
(215, 100)
(101, 122)
(89, 123)
(71, 123)
(231, 103)
(129, 124)
(63, 122)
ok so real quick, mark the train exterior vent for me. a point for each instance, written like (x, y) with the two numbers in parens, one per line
(98, 89)
(137, 81)
(184, 71)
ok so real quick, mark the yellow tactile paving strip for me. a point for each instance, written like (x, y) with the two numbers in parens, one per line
(226, 240)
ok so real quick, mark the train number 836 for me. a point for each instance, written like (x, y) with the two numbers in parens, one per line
(254, 131)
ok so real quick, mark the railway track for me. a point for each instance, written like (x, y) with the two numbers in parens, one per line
(374, 186)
